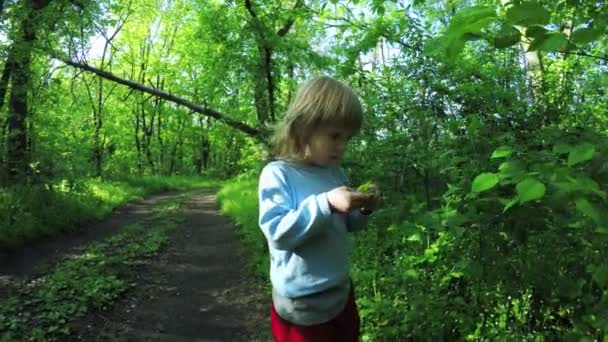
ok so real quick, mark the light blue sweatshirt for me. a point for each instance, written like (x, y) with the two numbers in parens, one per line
(308, 243)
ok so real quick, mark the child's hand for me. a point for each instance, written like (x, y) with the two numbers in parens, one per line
(343, 199)
(373, 202)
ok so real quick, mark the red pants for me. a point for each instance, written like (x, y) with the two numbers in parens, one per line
(345, 327)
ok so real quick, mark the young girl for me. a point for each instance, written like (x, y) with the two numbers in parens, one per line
(306, 210)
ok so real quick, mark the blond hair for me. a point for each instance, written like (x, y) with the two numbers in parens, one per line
(321, 101)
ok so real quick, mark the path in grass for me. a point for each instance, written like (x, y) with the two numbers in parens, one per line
(196, 289)
(37, 256)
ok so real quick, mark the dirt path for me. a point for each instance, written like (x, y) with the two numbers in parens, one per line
(197, 289)
(35, 257)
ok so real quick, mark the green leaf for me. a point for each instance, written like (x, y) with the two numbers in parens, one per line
(507, 37)
(511, 169)
(528, 13)
(600, 275)
(560, 148)
(549, 42)
(454, 48)
(471, 36)
(415, 237)
(530, 189)
(430, 254)
(586, 35)
(502, 152)
(580, 153)
(411, 273)
(587, 209)
(535, 31)
(471, 20)
(467, 24)
(510, 204)
(484, 181)
(365, 187)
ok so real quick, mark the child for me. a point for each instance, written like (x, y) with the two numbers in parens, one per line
(306, 210)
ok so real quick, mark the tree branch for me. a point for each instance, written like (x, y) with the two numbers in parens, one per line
(254, 132)
(250, 8)
(585, 54)
(289, 23)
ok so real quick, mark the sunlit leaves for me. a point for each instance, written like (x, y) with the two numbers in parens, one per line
(467, 24)
(580, 154)
(484, 182)
(511, 169)
(502, 152)
(508, 36)
(471, 20)
(511, 203)
(586, 35)
(549, 42)
(530, 18)
(528, 13)
(530, 189)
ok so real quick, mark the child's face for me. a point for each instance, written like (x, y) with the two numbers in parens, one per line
(327, 146)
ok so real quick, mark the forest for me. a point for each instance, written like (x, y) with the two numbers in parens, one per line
(485, 126)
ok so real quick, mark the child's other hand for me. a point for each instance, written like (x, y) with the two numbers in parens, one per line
(343, 199)
(373, 202)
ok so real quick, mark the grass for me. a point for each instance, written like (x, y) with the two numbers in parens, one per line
(42, 309)
(238, 199)
(31, 212)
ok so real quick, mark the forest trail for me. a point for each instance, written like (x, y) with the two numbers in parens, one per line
(36, 256)
(197, 288)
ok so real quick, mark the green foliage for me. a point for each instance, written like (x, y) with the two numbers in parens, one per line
(530, 189)
(532, 17)
(528, 13)
(492, 160)
(484, 181)
(30, 212)
(91, 280)
(365, 187)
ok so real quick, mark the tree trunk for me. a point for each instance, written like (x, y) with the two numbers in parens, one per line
(148, 132)
(19, 62)
(140, 166)
(265, 85)
(534, 63)
(158, 108)
(202, 161)
(178, 142)
(6, 75)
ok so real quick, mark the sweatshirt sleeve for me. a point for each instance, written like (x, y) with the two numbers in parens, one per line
(356, 221)
(285, 223)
